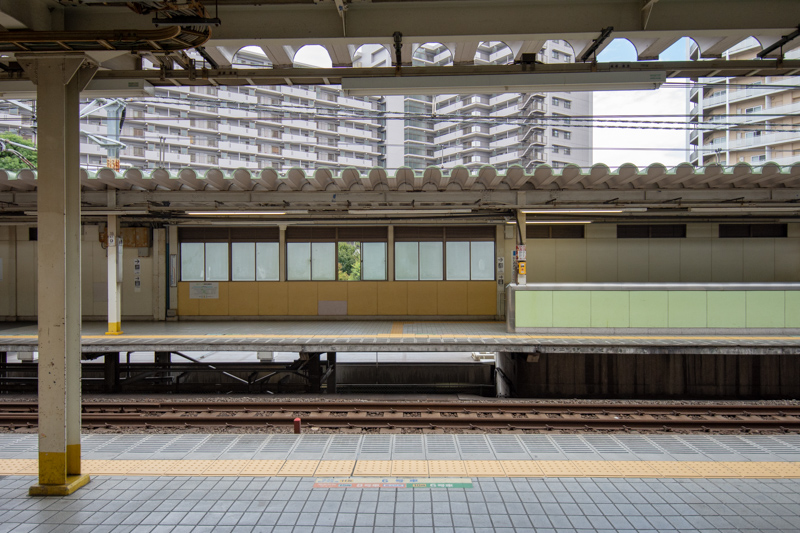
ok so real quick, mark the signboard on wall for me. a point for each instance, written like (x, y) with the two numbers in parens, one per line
(204, 291)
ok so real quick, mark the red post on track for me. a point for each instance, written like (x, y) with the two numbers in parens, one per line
(297, 426)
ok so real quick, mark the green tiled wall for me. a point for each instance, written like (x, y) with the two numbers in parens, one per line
(657, 309)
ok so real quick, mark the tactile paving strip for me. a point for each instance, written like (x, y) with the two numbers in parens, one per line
(298, 468)
(708, 469)
(373, 468)
(521, 468)
(262, 467)
(635, 469)
(673, 469)
(335, 468)
(598, 468)
(410, 468)
(560, 469)
(484, 469)
(446, 468)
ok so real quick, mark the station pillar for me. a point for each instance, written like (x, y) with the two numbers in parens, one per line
(59, 79)
(114, 242)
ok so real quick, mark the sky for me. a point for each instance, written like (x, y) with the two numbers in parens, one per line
(615, 146)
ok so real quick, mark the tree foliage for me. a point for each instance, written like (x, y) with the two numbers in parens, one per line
(349, 261)
(11, 161)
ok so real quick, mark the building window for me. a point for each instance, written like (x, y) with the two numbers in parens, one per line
(567, 151)
(555, 133)
(229, 254)
(567, 104)
(451, 253)
(555, 54)
(554, 101)
(651, 231)
(555, 149)
(758, 158)
(327, 254)
(204, 261)
(755, 109)
(745, 231)
(568, 135)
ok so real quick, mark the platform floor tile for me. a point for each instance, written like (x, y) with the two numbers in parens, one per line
(301, 468)
(598, 468)
(226, 467)
(638, 469)
(678, 469)
(708, 469)
(560, 469)
(335, 468)
(373, 468)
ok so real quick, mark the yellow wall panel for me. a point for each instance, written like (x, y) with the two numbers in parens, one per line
(303, 298)
(273, 298)
(243, 298)
(452, 297)
(422, 299)
(186, 306)
(482, 298)
(362, 298)
(332, 290)
(392, 297)
(215, 306)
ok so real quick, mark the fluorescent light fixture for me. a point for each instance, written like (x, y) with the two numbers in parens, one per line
(409, 212)
(244, 213)
(742, 209)
(499, 83)
(556, 211)
(553, 222)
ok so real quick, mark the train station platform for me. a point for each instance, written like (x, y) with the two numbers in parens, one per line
(392, 336)
(432, 482)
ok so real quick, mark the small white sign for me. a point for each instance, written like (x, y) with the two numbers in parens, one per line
(137, 284)
(137, 266)
(204, 291)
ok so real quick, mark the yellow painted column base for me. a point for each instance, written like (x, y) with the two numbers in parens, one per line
(73, 483)
(114, 328)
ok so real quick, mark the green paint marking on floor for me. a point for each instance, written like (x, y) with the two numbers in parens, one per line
(392, 483)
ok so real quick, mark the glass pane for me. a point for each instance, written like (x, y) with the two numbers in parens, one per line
(374, 260)
(267, 261)
(192, 263)
(216, 261)
(457, 260)
(431, 260)
(406, 261)
(298, 260)
(349, 261)
(482, 260)
(323, 261)
(243, 261)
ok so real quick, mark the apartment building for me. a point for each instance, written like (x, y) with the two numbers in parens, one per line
(285, 127)
(745, 120)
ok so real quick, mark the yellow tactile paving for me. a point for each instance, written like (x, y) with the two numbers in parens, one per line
(708, 469)
(229, 467)
(262, 467)
(790, 470)
(410, 468)
(397, 328)
(753, 469)
(18, 466)
(484, 469)
(373, 468)
(335, 468)
(447, 468)
(521, 468)
(560, 469)
(298, 468)
(635, 469)
(598, 468)
(672, 469)
(421, 468)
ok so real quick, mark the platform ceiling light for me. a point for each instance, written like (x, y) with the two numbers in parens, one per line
(500, 83)
(408, 212)
(556, 211)
(743, 209)
(553, 222)
(244, 213)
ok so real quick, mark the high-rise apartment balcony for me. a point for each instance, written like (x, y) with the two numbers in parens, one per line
(237, 130)
(693, 93)
(717, 99)
(764, 140)
(770, 113)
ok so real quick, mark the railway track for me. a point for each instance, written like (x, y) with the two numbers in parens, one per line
(423, 415)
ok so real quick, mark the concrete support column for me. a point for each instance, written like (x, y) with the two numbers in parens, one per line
(59, 79)
(314, 373)
(111, 372)
(282, 253)
(390, 254)
(114, 242)
(174, 249)
(522, 271)
(506, 374)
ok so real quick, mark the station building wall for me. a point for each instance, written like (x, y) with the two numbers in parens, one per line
(701, 256)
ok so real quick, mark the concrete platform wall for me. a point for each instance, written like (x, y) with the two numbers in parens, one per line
(670, 375)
